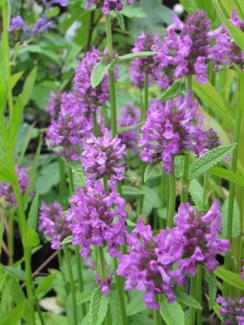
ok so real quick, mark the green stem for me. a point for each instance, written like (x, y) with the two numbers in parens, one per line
(62, 273)
(71, 181)
(185, 181)
(156, 314)
(232, 189)
(192, 313)
(111, 77)
(80, 275)
(172, 197)
(120, 289)
(11, 237)
(72, 285)
(95, 125)
(199, 292)
(62, 183)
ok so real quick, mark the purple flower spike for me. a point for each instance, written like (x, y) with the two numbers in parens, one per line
(232, 310)
(106, 284)
(17, 23)
(90, 98)
(97, 218)
(69, 126)
(200, 232)
(150, 261)
(54, 224)
(130, 115)
(107, 5)
(142, 66)
(6, 190)
(171, 128)
(104, 157)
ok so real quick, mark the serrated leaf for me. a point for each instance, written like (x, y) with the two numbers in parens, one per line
(100, 69)
(212, 288)
(120, 20)
(187, 300)
(172, 313)
(150, 170)
(98, 307)
(229, 277)
(31, 238)
(133, 56)
(196, 192)
(210, 159)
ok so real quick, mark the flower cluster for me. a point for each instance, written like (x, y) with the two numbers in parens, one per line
(107, 5)
(52, 221)
(225, 51)
(106, 284)
(6, 190)
(97, 218)
(171, 128)
(40, 26)
(158, 263)
(130, 115)
(143, 66)
(200, 233)
(184, 50)
(17, 23)
(69, 127)
(90, 98)
(104, 156)
(232, 310)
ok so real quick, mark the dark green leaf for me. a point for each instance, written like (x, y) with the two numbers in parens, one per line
(187, 300)
(229, 277)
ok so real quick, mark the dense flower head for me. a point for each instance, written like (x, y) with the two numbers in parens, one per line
(184, 50)
(107, 5)
(149, 262)
(129, 115)
(143, 66)
(6, 189)
(97, 218)
(171, 128)
(69, 126)
(52, 221)
(17, 23)
(105, 284)
(232, 310)
(225, 51)
(91, 98)
(200, 232)
(104, 156)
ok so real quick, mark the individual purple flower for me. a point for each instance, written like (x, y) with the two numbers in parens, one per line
(17, 23)
(143, 66)
(53, 222)
(104, 156)
(91, 98)
(41, 25)
(184, 50)
(107, 5)
(6, 189)
(170, 129)
(69, 126)
(150, 262)
(232, 310)
(106, 284)
(200, 232)
(211, 141)
(225, 51)
(97, 218)
(130, 115)
(62, 3)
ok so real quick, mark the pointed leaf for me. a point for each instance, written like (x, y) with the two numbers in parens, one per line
(187, 300)
(100, 69)
(229, 277)
(172, 313)
(98, 307)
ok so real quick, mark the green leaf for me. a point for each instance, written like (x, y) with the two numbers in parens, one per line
(14, 316)
(136, 305)
(98, 307)
(66, 240)
(123, 129)
(187, 300)
(133, 56)
(14, 79)
(45, 285)
(236, 224)
(196, 192)
(211, 158)
(151, 195)
(129, 190)
(48, 178)
(133, 12)
(150, 170)
(189, 5)
(229, 277)
(83, 297)
(33, 213)
(98, 73)
(212, 288)
(173, 91)
(228, 175)
(31, 238)
(172, 313)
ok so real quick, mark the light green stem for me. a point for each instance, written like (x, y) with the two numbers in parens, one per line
(62, 183)
(95, 124)
(11, 237)
(185, 181)
(156, 314)
(80, 275)
(232, 188)
(72, 285)
(172, 197)
(192, 313)
(199, 292)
